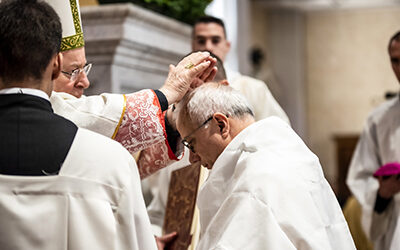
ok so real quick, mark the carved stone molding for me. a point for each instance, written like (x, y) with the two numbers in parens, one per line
(131, 47)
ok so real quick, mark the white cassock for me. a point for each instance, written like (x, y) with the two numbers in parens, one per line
(95, 202)
(379, 144)
(267, 191)
(134, 120)
(257, 93)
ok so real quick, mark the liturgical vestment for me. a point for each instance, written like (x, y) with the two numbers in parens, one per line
(267, 191)
(378, 145)
(135, 120)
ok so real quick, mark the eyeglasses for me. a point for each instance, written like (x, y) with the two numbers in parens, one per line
(188, 143)
(76, 72)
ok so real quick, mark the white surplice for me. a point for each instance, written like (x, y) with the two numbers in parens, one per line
(95, 202)
(267, 191)
(379, 144)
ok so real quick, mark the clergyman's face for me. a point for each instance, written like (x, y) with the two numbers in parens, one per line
(211, 37)
(205, 142)
(71, 60)
(394, 53)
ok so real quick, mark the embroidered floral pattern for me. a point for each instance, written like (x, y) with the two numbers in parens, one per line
(153, 159)
(142, 123)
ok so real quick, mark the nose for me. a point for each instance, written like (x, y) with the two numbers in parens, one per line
(193, 157)
(83, 81)
(209, 45)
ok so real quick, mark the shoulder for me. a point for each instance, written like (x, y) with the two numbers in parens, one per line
(99, 158)
(242, 79)
(384, 111)
(100, 145)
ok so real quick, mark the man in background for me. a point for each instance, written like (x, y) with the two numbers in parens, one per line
(379, 145)
(209, 34)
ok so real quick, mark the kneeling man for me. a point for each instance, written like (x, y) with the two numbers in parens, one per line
(266, 189)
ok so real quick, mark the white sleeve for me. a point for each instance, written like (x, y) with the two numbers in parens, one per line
(99, 113)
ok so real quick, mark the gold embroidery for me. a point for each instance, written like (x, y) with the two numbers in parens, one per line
(120, 119)
(75, 16)
(72, 42)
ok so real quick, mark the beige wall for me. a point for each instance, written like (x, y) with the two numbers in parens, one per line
(348, 72)
(345, 64)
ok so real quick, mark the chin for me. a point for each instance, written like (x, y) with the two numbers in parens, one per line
(78, 94)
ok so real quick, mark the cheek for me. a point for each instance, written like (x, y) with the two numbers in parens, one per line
(63, 85)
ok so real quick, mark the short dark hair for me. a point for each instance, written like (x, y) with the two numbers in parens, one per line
(395, 37)
(30, 35)
(209, 19)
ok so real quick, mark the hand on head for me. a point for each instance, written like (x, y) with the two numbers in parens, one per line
(199, 65)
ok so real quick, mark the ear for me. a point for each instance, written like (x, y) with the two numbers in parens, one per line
(228, 45)
(56, 66)
(224, 82)
(223, 124)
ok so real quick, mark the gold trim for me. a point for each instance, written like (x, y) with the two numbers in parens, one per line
(75, 16)
(120, 119)
(72, 42)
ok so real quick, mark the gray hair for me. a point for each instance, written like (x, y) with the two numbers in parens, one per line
(204, 101)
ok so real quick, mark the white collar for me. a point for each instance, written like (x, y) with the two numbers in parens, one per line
(27, 91)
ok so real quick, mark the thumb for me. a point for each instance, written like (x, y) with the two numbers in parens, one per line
(168, 237)
(171, 67)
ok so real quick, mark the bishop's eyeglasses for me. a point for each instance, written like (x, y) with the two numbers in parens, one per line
(73, 75)
(187, 143)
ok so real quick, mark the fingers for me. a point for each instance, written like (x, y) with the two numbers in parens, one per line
(212, 74)
(204, 75)
(194, 58)
(168, 237)
(199, 68)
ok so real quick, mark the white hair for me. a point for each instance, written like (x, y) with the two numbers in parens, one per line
(204, 101)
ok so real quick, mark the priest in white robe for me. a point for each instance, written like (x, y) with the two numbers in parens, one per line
(266, 189)
(378, 145)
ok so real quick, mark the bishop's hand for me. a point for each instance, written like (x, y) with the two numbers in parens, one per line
(198, 65)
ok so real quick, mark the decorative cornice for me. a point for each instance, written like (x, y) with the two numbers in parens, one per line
(128, 10)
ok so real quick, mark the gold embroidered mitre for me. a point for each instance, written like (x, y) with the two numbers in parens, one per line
(70, 16)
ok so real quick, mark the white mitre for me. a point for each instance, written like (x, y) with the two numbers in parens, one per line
(70, 17)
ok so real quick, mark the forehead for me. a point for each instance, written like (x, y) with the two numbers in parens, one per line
(74, 57)
(208, 29)
(184, 126)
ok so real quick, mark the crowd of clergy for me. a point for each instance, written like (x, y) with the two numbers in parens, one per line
(71, 165)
